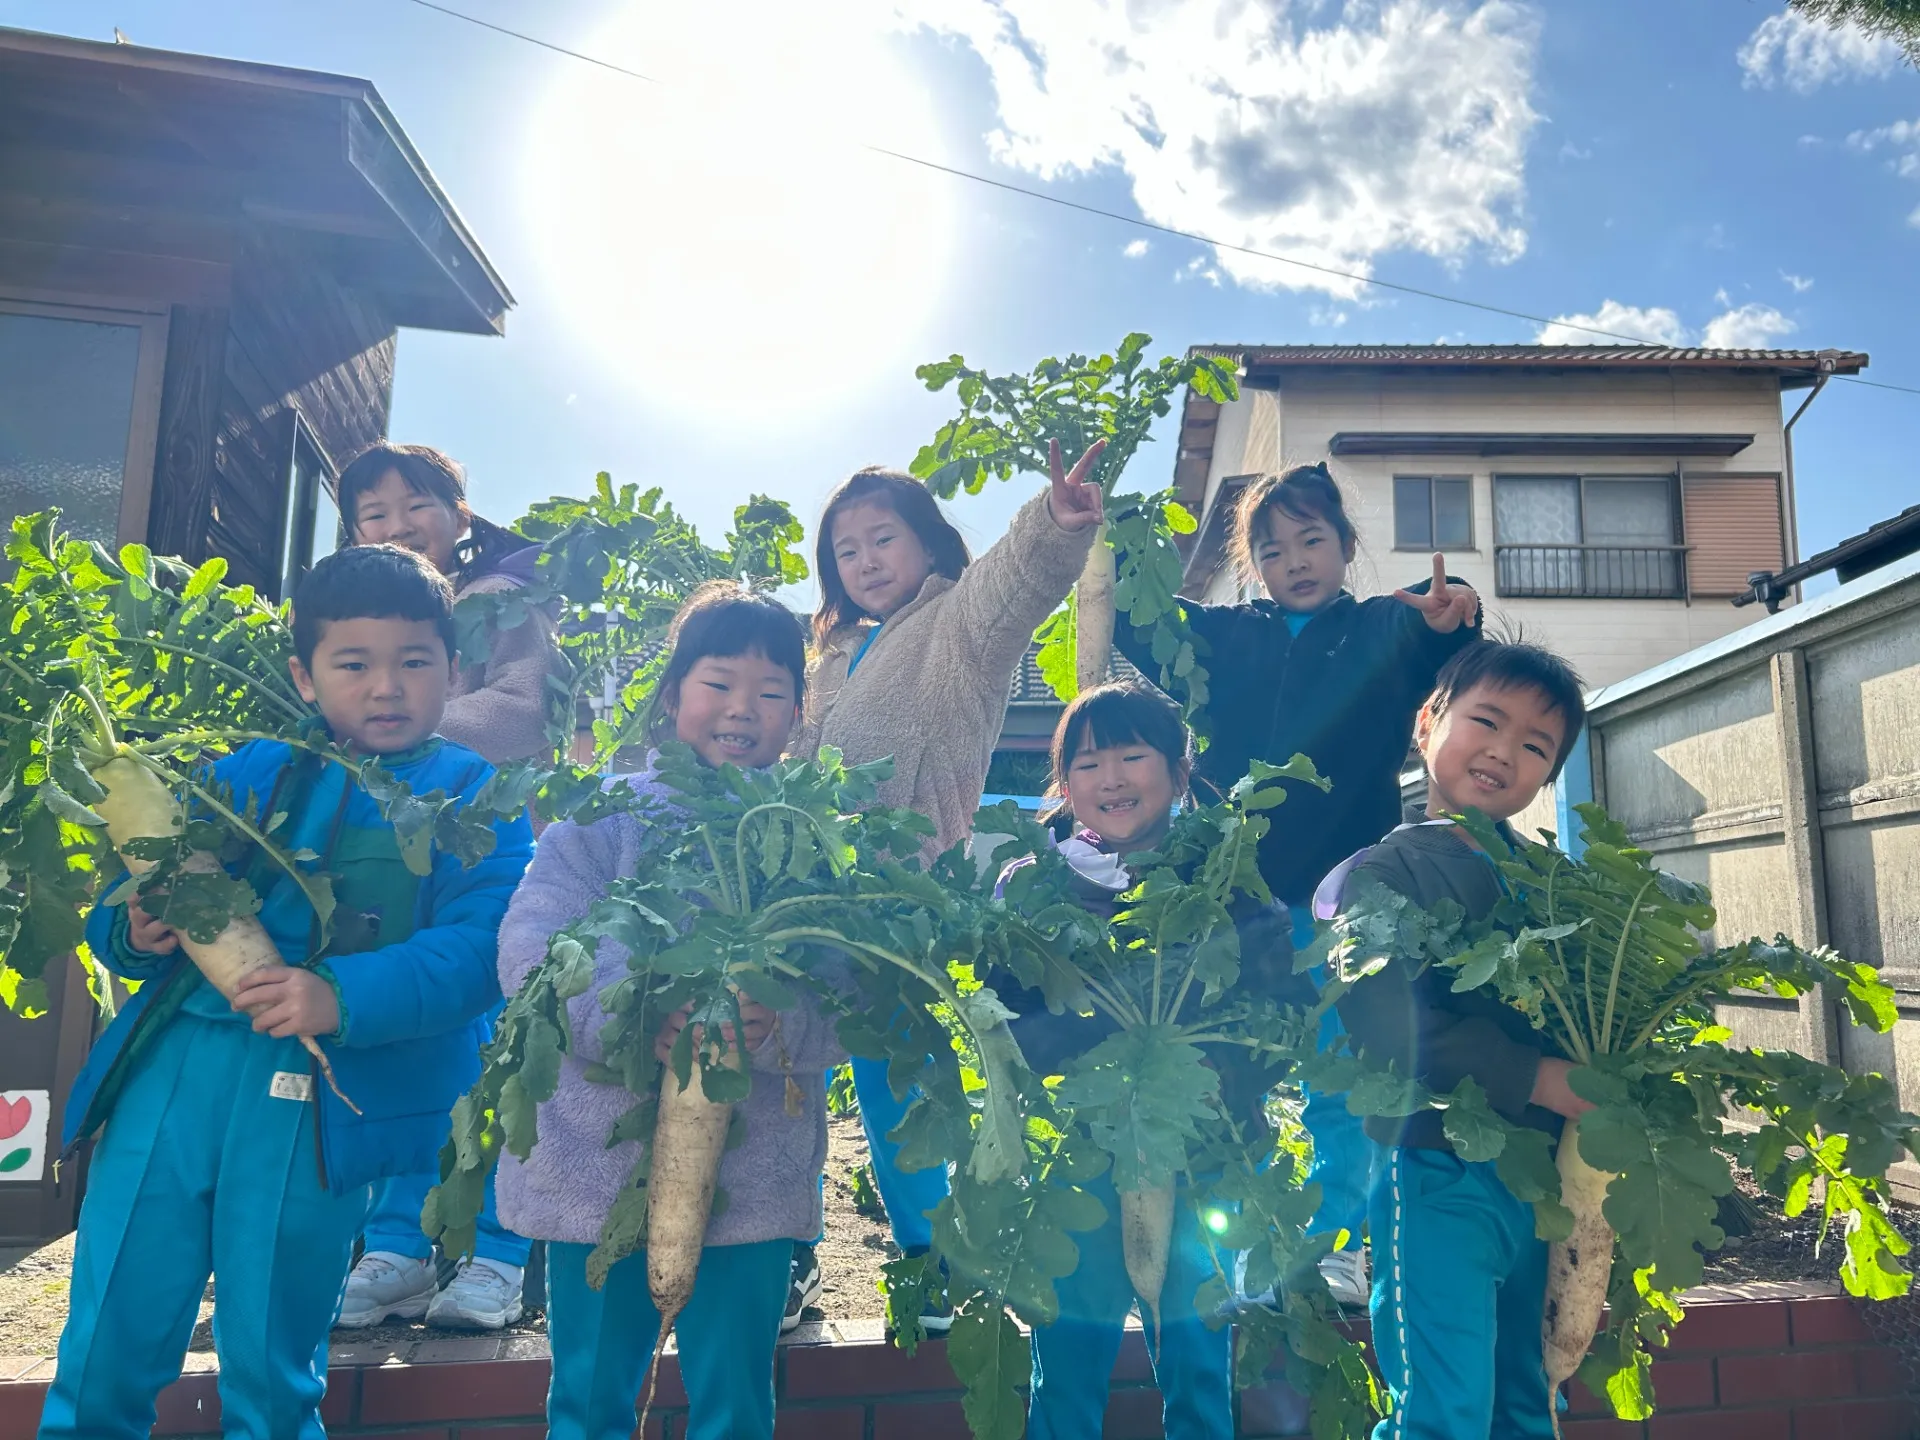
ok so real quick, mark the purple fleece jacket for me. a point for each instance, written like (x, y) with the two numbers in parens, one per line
(565, 1187)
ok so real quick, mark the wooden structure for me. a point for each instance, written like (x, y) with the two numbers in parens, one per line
(203, 264)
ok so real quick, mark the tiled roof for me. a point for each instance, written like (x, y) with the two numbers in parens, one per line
(1844, 362)
(1030, 687)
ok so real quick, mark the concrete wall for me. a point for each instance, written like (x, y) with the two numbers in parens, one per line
(1782, 767)
(1266, 431)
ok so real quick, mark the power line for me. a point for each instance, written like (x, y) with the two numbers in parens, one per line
(1133, 220)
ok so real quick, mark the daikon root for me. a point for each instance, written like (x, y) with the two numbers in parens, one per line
(1577, 1267)
(689, 1134)
(1093, 615)
(139, 805)
(1146, 1238)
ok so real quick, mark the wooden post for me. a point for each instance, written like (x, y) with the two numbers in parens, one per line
(1806, 849)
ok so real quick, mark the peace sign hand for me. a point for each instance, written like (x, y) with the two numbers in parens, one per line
(1445, 607)
(1075, 501)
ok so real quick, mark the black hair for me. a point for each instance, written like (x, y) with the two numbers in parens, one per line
(1515, 667)
(1123, 712)
(917, 509)
(437, 475)
(724, 618)
(1305, 493)
(370, 582)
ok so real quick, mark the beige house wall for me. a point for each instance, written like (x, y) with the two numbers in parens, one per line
(1268, 430)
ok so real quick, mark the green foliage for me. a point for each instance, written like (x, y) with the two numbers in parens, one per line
(155, 668)
(1006, 424)
(866, 1194)
(1604, 956)
(1895, 20)
(613, 568)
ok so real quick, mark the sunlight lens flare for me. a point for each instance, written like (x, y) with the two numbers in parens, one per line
(721, 226)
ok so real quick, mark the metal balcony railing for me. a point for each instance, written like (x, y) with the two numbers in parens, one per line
(1591, 572)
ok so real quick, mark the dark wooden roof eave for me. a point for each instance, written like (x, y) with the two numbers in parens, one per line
(309, 151)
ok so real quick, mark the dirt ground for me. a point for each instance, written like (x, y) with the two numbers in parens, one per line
(33, 1284)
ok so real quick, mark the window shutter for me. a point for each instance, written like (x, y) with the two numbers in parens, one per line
(1733, 527)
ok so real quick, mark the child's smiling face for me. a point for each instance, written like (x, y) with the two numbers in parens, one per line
(1491, 750)
(1302, 563)
(881, 561)
(381, 682)
(1122, 792)
(735, 709)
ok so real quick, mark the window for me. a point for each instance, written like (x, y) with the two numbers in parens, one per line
(1432, 512)
(313, 518)
(1599, 536)
(79, 413)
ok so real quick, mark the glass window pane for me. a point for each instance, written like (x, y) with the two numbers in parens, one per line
(1537, 512)
(1452, 514)
(1629, 512)
(66, 401)
(326, 522)
(1412, 514)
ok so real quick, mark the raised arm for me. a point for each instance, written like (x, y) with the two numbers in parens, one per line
(1004, 595)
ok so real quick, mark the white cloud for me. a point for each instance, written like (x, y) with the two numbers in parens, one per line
(1745, 327)
(1402, 125)
(1800, 283)
(1135, 249)
(1656, 325)
(1748, 327)
(1805, 54)
(1902, 135)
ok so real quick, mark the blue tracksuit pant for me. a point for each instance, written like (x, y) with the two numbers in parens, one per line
(1459, 1280)
(908, 1194)
(1342, 1154)
(203, 1169)
(394, 1224)
(603, 1339)
(1073, 1357)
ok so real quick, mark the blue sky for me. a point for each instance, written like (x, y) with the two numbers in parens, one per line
(720, 293)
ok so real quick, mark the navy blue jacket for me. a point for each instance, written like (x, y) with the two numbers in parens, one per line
(1343, 693)
(413, 959)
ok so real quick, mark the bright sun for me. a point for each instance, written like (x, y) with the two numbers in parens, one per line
(725, 226)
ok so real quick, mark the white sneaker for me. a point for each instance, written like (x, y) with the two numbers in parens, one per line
(1345, 1272)
(385, 1285)
(483, 1295)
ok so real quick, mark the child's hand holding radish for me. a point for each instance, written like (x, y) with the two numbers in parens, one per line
(285, 1001)
(757, 1019)
(148, 935)
(1551, 1091)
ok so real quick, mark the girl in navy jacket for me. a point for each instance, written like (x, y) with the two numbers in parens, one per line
(1311, 670)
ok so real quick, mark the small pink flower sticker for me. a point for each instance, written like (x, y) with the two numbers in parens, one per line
(14, 1115)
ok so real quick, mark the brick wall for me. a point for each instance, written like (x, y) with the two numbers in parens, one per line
(1763, 1362)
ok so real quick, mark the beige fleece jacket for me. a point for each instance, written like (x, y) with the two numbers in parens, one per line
(499, 708)
(931, 690)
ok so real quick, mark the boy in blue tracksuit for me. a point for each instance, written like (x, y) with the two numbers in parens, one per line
(1459, 1274)
(224, 1150)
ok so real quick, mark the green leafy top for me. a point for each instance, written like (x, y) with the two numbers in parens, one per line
(1006, 424)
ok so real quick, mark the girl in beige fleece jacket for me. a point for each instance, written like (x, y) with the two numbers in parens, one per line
(915, 647)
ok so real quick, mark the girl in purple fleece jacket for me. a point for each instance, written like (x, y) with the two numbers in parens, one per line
(731, 690)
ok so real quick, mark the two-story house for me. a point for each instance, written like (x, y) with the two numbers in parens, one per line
(1610, 500)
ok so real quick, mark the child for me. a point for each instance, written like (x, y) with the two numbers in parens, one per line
(1457, 1303)
(416, 497)
(1120, 763)
(221, 1151)
(914, 651)
(731, 689)
(1312, 670)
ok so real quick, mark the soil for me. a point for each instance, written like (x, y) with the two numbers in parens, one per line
(1779, 1248)
(33, 1283)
